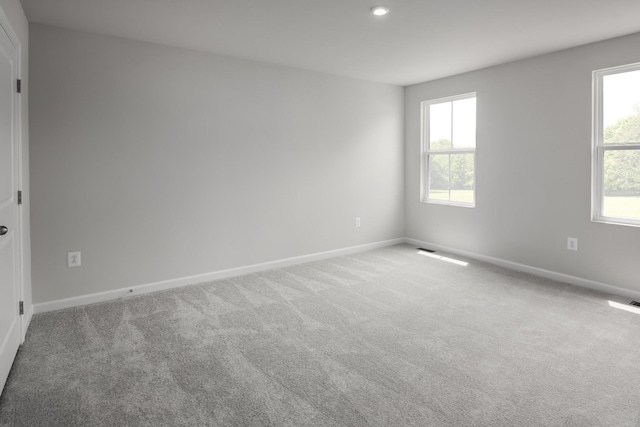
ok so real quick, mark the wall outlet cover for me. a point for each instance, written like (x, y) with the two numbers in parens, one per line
(74, 259)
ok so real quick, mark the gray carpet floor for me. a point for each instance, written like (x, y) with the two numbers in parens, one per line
(383, 338)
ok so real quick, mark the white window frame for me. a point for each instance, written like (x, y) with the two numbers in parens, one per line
(426, 151)
(599, 147)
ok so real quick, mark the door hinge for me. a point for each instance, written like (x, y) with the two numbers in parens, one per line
(19, 197)
(21, 308)
(19, 86)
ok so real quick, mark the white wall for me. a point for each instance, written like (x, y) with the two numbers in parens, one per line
(533, 167)
(159, 163)
(18, 21)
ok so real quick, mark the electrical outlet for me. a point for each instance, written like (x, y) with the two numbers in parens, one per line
(572, 243)
(358, 222)
(74, 259)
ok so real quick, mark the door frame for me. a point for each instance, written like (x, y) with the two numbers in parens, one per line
(13, 37)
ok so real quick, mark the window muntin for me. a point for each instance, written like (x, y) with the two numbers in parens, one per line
(448, 150)
(616, 142)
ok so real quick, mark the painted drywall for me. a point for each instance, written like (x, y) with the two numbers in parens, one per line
(533, 167)
(159, 163)
(18, 21)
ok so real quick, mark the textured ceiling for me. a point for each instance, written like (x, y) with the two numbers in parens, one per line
(419, 40)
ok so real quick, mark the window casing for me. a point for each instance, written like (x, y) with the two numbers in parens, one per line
(616, 145)
(448, 158)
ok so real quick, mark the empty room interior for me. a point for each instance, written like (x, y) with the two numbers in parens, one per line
(304, 213)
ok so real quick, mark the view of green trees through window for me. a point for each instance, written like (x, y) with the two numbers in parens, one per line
(616, 143)
(451, 173)
(622, 168)
(449, 150)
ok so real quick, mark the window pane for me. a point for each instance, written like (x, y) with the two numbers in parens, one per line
(622, 184)
(440, 126)
(449, 143)
(439, 176)
(462, 178)
(621, 107)
(464, 123)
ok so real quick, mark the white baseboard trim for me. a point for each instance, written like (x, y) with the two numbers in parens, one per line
(202, 278)
(548, 274)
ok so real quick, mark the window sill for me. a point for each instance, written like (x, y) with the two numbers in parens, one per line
(616, 221)
(448, 203)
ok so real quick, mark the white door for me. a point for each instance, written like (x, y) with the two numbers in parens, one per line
(9, 237)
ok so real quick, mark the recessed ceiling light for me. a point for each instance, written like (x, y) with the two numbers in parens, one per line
(379, 10)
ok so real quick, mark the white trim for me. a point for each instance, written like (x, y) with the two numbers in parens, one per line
(599, 147)
(548, 274)
(596, 124)
(26, 321)
(450, 98)
(206, 277)
(425, 150)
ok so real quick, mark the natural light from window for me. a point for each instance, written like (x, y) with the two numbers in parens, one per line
(448, 150)
(617, 144)
(443, 258)
(624, 307)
